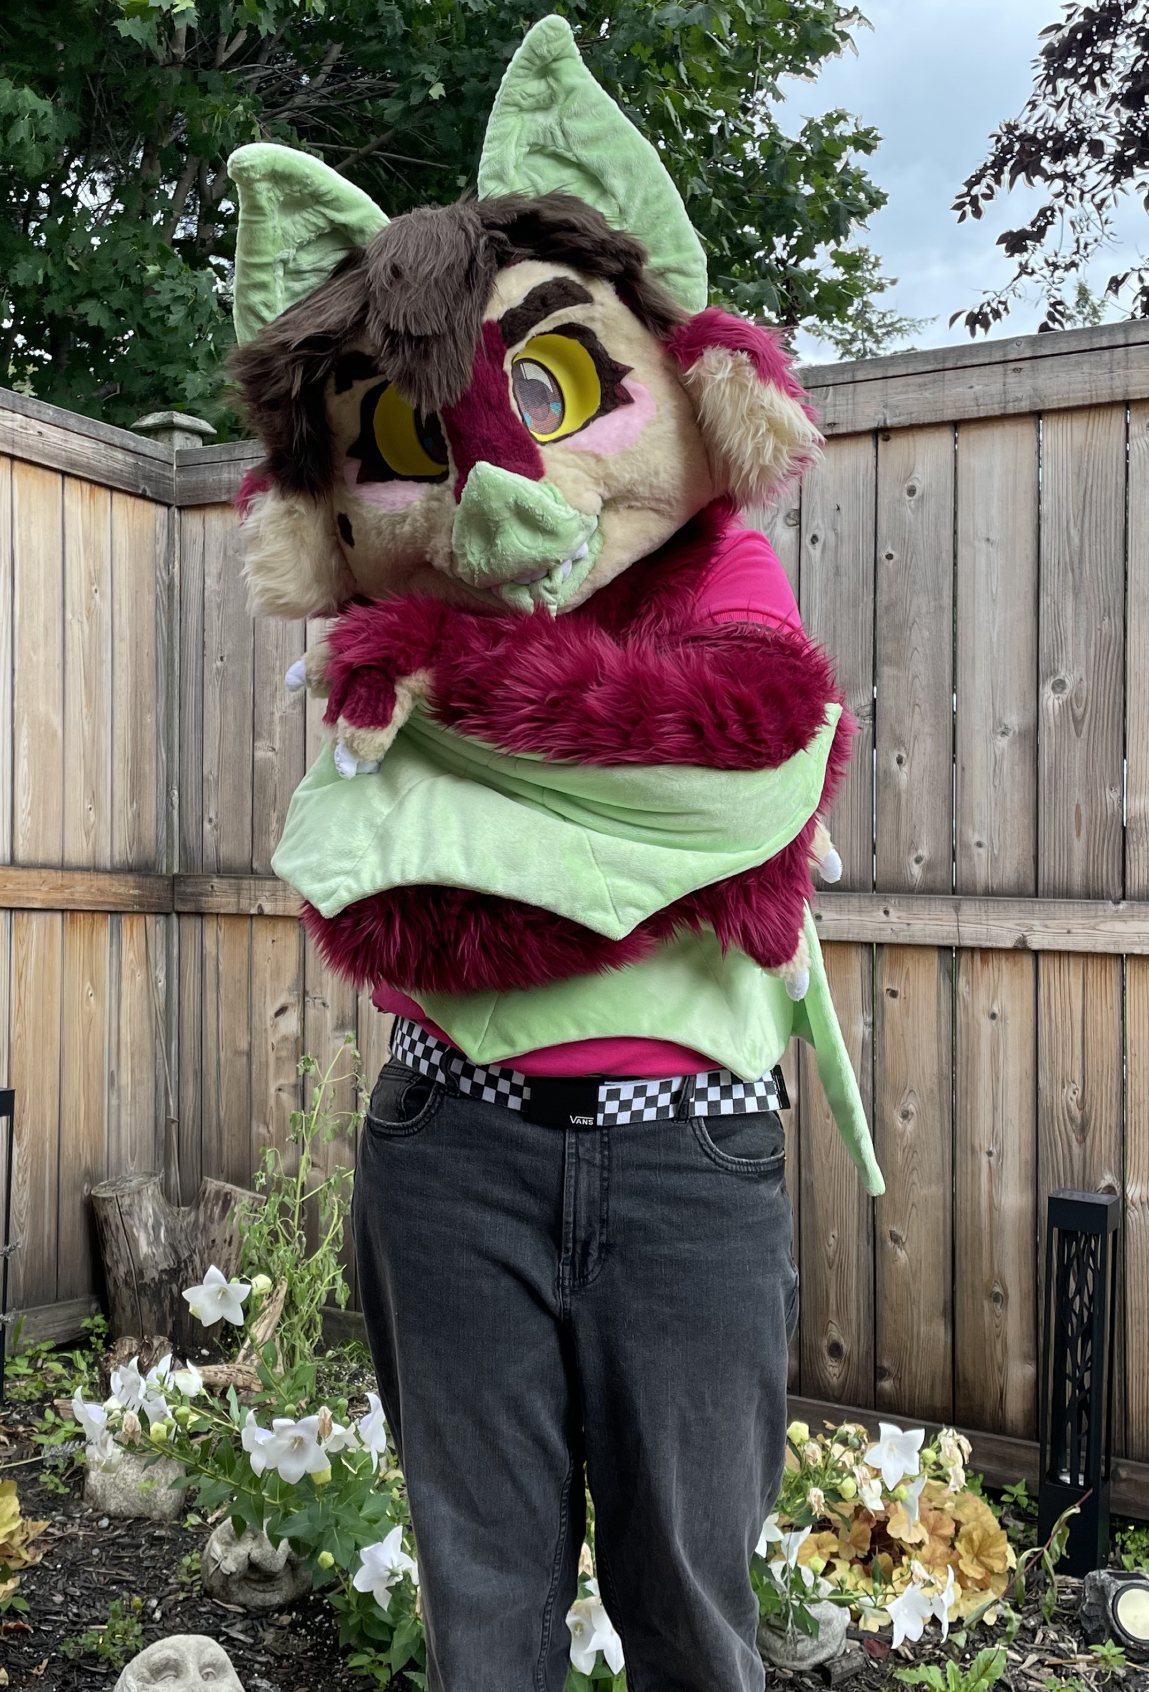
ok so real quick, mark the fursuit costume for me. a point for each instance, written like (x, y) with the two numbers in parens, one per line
(580, 752)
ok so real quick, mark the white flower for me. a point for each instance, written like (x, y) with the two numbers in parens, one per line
(384, 1565)
(187, 1380)
(942, 1603)
(771, 1535)
(373, 1430)
(870, 1492)
(128, 1386)
(896, 1453)
(294, 1448)
(341, 1439)
(909, 1614)
(913, 1502)
(792, 1543)
(255, 1441)
(103, 1453)
(217, 1297)
(816, 1499)
(93, 1418)
(592, 1631)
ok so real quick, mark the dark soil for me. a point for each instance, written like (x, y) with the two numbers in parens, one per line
(90, 1562)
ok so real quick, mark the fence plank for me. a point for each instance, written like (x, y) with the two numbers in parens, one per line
(837, 1262)
(278, 727)
(914, 662)
(190, 1022)
(226, 1108)
(137, 713)
(83, 1096)
(7, 616)
(38, 667)
(228, 700)
(781, 524)
(34, 1070)
(1136, 1222)
(837, 603)
(1079, 1089)
(1082, 653)
(276, 1031)
(88, 671)
(996, 643)
(913, 1137)
(192, 542)
(1136, 646)
(132, 1049)
(995, 1244)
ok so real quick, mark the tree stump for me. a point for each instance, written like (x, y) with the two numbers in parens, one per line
(153, 1249)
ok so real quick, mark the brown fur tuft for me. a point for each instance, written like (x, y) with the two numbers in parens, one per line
(416, 295)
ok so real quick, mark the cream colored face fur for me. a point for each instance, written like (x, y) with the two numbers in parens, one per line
(636, 474)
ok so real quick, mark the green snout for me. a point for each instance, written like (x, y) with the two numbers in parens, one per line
(507, 527)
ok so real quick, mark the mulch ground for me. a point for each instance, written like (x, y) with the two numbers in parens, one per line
(90, 1562)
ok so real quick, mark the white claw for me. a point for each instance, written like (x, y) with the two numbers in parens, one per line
(831, 866)
(582, 551)
(296, 676)
(525, 581)
(565, 569)
(796, 985)
(349, 765)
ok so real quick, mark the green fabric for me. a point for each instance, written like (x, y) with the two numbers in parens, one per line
(297, 219)
(688, 993)
(605, 846)
(552, 126)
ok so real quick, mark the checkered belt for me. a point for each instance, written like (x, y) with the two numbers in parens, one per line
(585, 1101)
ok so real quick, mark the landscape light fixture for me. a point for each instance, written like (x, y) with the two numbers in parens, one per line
(1077, 1373)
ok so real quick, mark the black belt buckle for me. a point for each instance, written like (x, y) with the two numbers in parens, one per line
(562, 1101)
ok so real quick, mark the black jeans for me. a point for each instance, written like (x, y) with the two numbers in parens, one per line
(537, 1298)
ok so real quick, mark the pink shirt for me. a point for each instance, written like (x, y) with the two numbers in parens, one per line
(745, 584)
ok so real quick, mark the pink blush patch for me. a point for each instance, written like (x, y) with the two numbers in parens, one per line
(618, 429)
(387, 496)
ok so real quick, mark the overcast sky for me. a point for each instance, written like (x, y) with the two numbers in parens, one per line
(935, 77)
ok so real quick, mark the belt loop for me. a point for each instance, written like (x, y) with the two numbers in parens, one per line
(686, 1100)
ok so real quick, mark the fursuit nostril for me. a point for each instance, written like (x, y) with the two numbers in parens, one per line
(509, 529)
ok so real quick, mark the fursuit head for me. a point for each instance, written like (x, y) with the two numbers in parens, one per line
(504, 440)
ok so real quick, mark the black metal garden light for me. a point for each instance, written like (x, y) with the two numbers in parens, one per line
(1077, 1372)
(7, 1113)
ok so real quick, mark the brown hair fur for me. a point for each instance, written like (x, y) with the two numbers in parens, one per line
(416, 295)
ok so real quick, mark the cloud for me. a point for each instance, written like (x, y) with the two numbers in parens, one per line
(935, 77)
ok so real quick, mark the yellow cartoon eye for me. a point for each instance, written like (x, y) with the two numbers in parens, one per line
(556, 386)
(410, 444)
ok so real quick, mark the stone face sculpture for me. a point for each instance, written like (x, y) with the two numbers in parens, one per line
(796, 1651)
(183, 1663)
(251, 1571)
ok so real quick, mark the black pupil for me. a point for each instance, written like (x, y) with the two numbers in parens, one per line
(538, 397)
(430, 433)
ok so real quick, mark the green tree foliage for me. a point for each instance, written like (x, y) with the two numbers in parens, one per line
(117, 228)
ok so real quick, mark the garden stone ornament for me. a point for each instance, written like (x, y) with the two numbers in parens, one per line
(579, 757)
(182, 1663)
(797, 1651)
(250, 1571)
(138, 1488)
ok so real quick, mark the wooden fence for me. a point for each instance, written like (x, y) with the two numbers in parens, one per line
(974, 552)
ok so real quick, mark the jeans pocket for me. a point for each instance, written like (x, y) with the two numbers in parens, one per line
(402, 1103)
(751, 1144)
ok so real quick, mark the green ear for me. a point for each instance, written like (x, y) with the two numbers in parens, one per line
(297, 218)
(552, 126)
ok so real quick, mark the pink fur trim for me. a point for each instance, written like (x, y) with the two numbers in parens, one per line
(619, 429)
(715, 328)
(484, 425)
(254, 483)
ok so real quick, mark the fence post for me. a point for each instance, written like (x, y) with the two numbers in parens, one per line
(173, 428)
